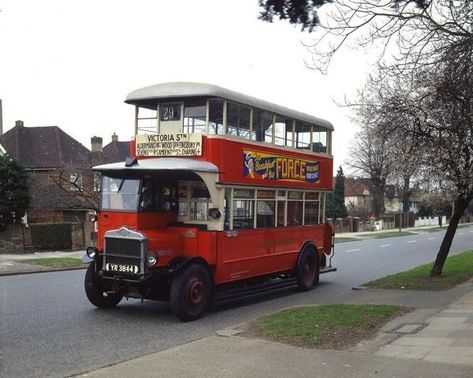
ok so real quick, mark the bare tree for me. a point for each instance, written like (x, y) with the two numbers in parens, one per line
(77, 186)
(438, 106)
(369, 157)
(412, 33)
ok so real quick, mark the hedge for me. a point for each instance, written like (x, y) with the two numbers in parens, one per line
(51, 236)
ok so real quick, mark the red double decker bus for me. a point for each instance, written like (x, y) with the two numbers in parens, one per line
(223, 195)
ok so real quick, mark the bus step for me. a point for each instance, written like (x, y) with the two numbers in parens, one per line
(255, 290)
(327, 269)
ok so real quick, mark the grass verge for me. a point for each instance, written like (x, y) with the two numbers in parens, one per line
(392, 234)
(55, 262)
(345, 240)
(324, 327)
(457, 269)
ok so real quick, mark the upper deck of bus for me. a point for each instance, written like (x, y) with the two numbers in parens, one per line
(212, 110)
(249, 140)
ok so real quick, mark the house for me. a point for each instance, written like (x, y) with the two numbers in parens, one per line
(59, 169)
(116, 151)
(63, 187)
(359, 198)
(113, 152)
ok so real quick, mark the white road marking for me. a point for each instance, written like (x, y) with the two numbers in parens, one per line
(412, 241)
(353, 250)
(460, 233)
(385, 245)
(430, 238)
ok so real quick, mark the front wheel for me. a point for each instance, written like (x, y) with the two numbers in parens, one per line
(191, 292)
(307, 270)
(96, 293)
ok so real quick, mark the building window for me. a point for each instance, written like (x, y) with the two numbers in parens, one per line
(97, 182)
(75, 179)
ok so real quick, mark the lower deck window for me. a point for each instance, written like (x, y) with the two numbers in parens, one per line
(263, 208)
(194, 201)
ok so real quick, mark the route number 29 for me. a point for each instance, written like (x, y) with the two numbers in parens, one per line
(170, 112)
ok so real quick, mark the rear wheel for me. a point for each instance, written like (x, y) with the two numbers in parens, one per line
(95, 291)
(307, 270)
(191, 292)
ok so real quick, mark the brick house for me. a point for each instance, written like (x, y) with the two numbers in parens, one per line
(62, 184)
(58, 167)
(359, 198)
(63, 187)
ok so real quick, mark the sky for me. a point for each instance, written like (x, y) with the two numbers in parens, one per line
(71, 63)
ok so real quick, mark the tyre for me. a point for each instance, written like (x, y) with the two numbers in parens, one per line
(307, 270)
(191, 292)
(95, 291)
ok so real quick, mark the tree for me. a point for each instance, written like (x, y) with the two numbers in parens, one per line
(336, 201)
(414, 33)
(439, 107)
(369, 158)
(78, 186)
(432, 70)
(14, 194)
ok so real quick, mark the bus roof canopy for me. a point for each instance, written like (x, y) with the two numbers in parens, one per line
(181, 90)
(161, 164)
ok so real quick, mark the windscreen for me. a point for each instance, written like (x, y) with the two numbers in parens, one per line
(120, 194)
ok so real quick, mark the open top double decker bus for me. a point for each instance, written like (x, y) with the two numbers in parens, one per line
(223, 195)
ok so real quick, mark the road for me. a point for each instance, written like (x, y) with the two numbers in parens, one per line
(48, 328)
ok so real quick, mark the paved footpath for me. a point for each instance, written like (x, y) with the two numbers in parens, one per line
(424, 343)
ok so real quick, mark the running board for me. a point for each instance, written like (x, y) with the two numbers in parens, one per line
(327, 269)
(252, 291)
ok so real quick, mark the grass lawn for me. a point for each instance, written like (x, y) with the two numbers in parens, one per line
(344, 240)
(326, 327)
(457, 269)
(392, 234)
(55, 262)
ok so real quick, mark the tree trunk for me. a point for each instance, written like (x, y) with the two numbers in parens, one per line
(460, 206)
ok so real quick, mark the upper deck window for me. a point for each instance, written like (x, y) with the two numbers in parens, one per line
(238, 120)
(262, 126)
(194, 116)
(283, 133)
(216, 116)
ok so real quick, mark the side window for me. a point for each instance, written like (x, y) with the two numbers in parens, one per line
(294, 208)
(156, 195)
(265, 209)
(243, 208)
(194, 201)
(311, 208)
(238, 120)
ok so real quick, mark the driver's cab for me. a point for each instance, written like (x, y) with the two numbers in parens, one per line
(147, 199)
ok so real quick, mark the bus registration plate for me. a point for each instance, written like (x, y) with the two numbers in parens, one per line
(121, 268)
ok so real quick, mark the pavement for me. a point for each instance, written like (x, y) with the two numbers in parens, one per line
(427, 342)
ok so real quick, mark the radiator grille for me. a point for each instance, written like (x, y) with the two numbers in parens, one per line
(123, 251)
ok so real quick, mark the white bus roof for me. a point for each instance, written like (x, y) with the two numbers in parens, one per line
(181, 90)
(161, 164)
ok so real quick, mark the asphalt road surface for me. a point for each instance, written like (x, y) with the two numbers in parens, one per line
(48, 327)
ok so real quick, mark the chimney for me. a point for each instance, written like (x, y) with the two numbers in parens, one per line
(114, 137)
(96, 143)
(19, 123)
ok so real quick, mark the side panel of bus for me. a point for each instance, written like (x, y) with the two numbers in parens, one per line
(231, 169)
(249, 253)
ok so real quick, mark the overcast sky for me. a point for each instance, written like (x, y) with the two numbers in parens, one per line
(71, 63)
